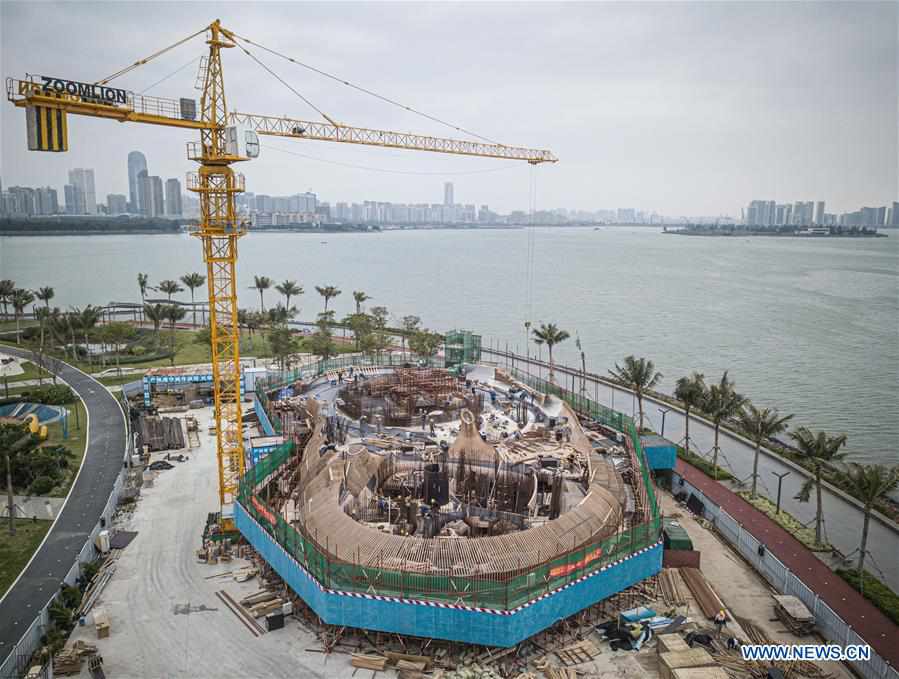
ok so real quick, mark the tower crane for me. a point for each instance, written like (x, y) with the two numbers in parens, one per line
(225, 138)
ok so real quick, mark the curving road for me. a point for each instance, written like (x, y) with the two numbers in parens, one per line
(843, 517)
(103, 459)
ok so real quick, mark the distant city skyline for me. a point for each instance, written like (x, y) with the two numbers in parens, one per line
(625, 94)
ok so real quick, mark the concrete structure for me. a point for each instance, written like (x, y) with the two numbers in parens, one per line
(116, 204)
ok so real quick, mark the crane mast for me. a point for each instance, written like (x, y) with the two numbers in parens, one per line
(217, 185)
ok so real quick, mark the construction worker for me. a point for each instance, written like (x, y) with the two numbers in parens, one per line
(720, 622)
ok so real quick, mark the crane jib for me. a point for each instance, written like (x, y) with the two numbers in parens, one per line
(101, 93)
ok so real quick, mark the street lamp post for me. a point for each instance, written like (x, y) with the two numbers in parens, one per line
(664, 412)
(780, 479)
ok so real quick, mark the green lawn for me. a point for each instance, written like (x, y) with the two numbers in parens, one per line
(15, 550)
(31, 372)
(76, 442)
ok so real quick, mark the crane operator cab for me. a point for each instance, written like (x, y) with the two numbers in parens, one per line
(241, 141)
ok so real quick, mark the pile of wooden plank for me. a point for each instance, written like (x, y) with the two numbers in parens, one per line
(98, 582)
(580, 652)
(673, 660)
(705, 596)
(369, 662)
(101, 623)
(793, 613)
(669, 581)
(161, 433)
(262, 603)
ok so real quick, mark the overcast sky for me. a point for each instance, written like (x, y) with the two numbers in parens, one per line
(682, 108)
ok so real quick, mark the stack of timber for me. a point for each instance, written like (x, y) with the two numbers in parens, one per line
(759, 670)
(161, 433)
(670, 643)
(705, 596)
(575, 654)
(673, 660)
(98, 582)
(262, 603)
(700, 673)
(669, 581)
(793, 613)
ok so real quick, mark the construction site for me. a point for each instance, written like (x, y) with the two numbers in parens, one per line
(520, 543)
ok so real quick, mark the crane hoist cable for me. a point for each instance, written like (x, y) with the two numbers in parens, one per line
(287, 85)
(387, 170)
(150, 58)
(366, 91)
(175, 72)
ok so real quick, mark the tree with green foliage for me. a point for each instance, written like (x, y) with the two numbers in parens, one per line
(279, 315)
(157, 314)
(7, 287)
(819, 450)
(14, 439)
(260, 285)
(328, 292)
(85, 320)
(360, 298)
(170, 288)
(20, 299)
(640, 375)
(289, 289)
(118, 333)
(721, 403)
(321, 342)
(550, 335)
(283, 344)
(410, 325)
(869, 483)
(761, 424)
(380, 316)
(361, 325)
(45, 294)
(193, 281)
(425, 343)
(690, 391)
(173, 314)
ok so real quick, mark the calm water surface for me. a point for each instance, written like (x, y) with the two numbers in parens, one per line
(811, 327)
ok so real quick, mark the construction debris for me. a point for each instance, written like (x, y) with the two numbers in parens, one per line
(369, 662)
(68, 660)
(161, 433)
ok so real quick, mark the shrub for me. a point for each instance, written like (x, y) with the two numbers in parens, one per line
(138, 350)
(704, 465)
(874, 591)
(51, 394)
(41, 485)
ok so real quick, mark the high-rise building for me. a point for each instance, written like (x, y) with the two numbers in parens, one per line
(173, 197)
(83, 178)
(894, 214)
(21, 201)
(47, 202)
(137, 163)
(74, 200)
(157, 197)
(143, 193)
(819, 213)
(448, 194)
(116, 204)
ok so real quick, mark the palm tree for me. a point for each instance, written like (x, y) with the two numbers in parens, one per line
(820, 449)
(45, 294)
(86, 320)
(261, 283)
(20, 299)
(143, 282)
(7, 287)
(761, 424)
(193, 281)
(360, 298)
(157, 314)
(690, 391)
(289, 289)
(550, 335)
(721, 403)
(869, 483)
(173, 314)
(170, 288)
(640, 375)
(328, 292)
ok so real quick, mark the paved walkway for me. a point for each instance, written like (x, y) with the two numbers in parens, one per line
(86, 501)
(867, 621)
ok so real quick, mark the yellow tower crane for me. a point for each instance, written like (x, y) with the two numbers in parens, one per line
(224, 139)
